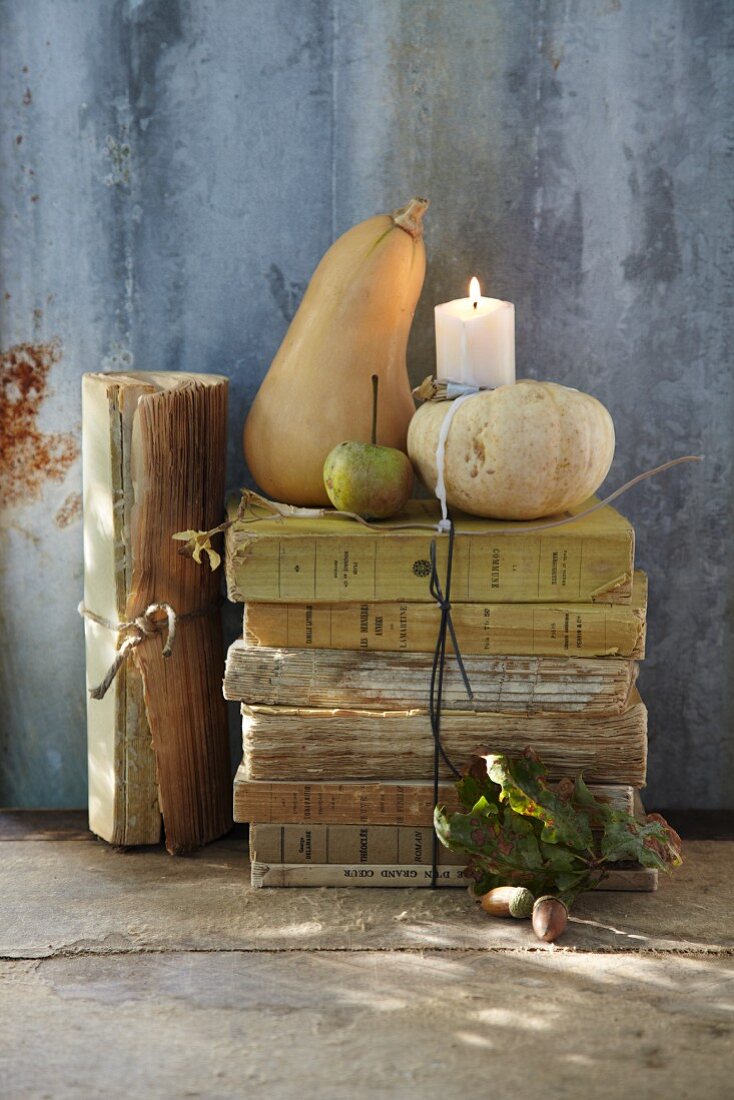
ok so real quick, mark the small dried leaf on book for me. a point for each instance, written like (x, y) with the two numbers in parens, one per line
(198, 543)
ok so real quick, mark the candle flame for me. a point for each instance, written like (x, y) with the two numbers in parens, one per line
(475, 291)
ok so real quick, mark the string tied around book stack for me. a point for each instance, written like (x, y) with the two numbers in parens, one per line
(444, 524)
(442, 596)
(138, 630)
(443, 599)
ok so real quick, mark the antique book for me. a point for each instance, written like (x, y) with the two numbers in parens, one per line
(154, 447)
(371, 844)
(347, 844)
(497, 629)
(401, 681)
(358, 874)
(352, 802)
(328, 559)
(632, 878)
(313, 744)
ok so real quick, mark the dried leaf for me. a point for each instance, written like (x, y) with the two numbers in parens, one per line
(253, 507)
(198, 543)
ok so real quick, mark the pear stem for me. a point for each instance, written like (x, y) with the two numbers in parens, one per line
(375, 384)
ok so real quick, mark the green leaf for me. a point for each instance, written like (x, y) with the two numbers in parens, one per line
(524, 786)
(442, 825)
(515, 829)
(582, 796)
(483, 880)
(649, 842)
(509, 846)
(560, 858)
(567, 883)
(475, 792)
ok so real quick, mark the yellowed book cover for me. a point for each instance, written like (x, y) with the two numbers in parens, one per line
(288, 560)
(541, 629)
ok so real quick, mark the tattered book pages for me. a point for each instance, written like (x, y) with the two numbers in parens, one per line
(154, 449)
(312, 744)
(401, 681)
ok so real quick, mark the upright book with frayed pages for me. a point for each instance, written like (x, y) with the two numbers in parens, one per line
(154, 447)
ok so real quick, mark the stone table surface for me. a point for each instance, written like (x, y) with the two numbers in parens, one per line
(134, 973)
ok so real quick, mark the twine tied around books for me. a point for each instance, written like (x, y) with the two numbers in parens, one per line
(443, 599)
(138, 630)
(445, 524)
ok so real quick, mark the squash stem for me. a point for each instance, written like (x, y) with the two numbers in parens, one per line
(410, 217)
(375, 384)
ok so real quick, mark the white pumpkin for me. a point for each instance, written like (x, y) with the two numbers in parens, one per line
(521, 451)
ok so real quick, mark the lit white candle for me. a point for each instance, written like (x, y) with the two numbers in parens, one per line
(475, 340)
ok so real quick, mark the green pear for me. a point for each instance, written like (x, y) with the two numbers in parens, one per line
(372, 481)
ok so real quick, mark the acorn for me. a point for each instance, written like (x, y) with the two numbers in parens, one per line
(550, 917)
(508, 901)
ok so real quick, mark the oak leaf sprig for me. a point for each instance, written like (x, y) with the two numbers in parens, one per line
(517, 828)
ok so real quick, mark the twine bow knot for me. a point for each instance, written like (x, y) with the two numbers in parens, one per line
(138, 630)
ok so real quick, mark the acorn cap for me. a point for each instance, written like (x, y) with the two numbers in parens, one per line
(521, 903)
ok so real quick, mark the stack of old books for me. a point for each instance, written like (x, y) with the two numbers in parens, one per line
(333, 673)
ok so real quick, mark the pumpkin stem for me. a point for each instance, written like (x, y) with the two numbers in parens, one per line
(375, 384)
(410, 217)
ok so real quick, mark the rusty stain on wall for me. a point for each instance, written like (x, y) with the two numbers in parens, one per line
(28, 456)
(70, 511)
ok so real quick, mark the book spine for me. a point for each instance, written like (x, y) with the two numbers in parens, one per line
(639, 880)
(361, 844)
(338, 803)
(556, 567)
(333, 874)
(401, 681)
(123, 796)
(584, 630)
(383, 844)
(349, 803)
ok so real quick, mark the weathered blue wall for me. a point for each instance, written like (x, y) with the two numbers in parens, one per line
(172, 171)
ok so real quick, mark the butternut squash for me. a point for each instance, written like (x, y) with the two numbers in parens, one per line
(353, 322)
(522, 451)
